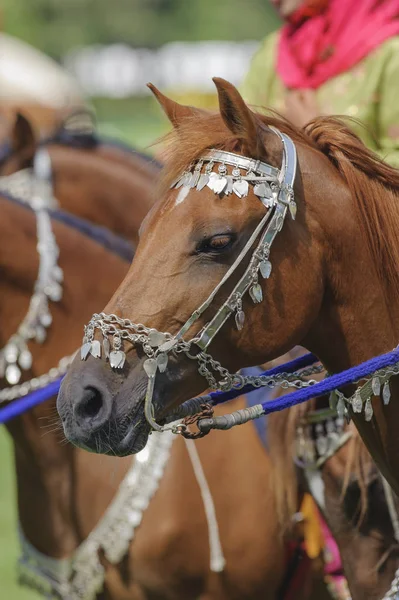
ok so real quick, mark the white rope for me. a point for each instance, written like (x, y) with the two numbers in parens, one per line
(217, 560)
(393, 513)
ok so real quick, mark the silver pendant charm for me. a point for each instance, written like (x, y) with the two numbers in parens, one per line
(229, 186)
(84, 351)
(386, 393)
(13, 374)
(293, 209)
(265, 268)
(357, 402)
(256, 293)
(40, 334)
(11, 353)
(156, 338)
(263, 190)
(25, 360)
(203, 181)
(150, 367)
(217, 183)
(58, 274)
(376, 386)
(95, 349)
(341, 408)
(46, 319)
(368, 410)
(117, 359)
(166, 346)
(162, 362)
(195, 176)
(333, 400)
(240, 188)
(106, 347)
(240, 319)
(185, 178)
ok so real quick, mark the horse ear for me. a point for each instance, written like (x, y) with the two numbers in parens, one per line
(237, 116)
(175, 112)
(23, 138)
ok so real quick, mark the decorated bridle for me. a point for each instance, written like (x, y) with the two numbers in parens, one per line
(36, 193)
(274, 188)
(33, 187)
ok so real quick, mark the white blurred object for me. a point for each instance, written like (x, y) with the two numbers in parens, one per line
(28, 75)
(118, 70)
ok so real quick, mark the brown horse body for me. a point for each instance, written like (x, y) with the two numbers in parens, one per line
(333, 288)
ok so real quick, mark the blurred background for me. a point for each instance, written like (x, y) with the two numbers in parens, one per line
(113, 48)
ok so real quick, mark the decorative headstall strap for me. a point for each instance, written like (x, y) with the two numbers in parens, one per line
(275, 189)
(33, 188)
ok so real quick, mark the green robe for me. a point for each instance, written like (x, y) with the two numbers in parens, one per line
(368, 92)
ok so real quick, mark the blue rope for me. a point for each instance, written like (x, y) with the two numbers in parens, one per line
(318, 389)
(18, 407)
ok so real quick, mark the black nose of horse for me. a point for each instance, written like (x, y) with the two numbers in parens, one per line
(92, 409)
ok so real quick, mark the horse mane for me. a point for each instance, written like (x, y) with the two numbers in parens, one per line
(374, 186)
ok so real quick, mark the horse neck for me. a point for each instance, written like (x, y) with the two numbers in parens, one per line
(358, 320)
(101, 188)
(55, 481)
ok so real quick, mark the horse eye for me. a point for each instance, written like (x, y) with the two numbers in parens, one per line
(217, 243)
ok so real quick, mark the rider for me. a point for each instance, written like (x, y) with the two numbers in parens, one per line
(333, 57)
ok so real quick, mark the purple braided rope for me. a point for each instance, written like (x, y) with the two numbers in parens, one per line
(314, 391)
(333, 382)
(17, 407)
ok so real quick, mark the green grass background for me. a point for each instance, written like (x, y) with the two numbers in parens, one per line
(136, 122)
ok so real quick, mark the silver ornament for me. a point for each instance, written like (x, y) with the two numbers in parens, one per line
(368, 410)
(240, 188)
(117, 359)
(162, 362)
(386, 393)
(150, 367)
(95, 349)
(265, 268)
(256, 293)
(240, 319)
(84, 351)
(357, 402)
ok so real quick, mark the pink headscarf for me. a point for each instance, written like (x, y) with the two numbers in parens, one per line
(332, 42)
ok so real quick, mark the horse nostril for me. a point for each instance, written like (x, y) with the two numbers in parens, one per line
(90, 405)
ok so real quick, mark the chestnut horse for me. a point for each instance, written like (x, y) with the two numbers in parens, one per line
(92, 179)
(339, 255)
(169, 557)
